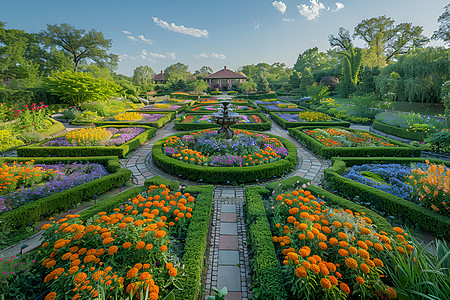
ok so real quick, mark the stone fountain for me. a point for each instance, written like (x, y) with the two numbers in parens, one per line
(225, 117)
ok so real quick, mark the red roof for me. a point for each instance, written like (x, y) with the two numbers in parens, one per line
(225, 74)
(159, 77)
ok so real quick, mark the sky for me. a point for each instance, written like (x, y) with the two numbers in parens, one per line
(215, 33)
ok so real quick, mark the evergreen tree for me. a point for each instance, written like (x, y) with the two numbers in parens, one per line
(262, 85)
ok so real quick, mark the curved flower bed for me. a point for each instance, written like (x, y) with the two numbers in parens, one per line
(280, 107)
(202, 108)
(309, 118)
(257, 122)
(126, 250)
(424, 184)
(161, 107)
(242, 119)
(23, 183)
(204, 156)
(331, 253)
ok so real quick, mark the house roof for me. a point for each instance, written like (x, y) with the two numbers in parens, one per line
(225, 74)
(159, 77)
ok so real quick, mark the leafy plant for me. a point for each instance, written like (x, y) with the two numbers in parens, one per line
(219, 295)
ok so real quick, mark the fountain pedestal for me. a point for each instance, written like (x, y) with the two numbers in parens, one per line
(225, 118)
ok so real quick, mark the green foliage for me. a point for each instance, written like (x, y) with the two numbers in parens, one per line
(367, 83)
(143, 75)
(428, 220)
(247, 87)
(317, 92)
(197, 86)
(314, 60)
(262, 85)
(81, 46)
(36, 150)
(398, 131)
(74, 88)
(328, 152)
(176, 71)
(224, 174)
(267, 276)
(285, 124)
(9, 140)
(351, 61)
(443, 32)
(307, 79)
(439, 141)
(266, 125)
(294, 81)
(14, 44)
(445, 95)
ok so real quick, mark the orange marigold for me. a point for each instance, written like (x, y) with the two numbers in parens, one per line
(343, 252)
(391, 293)
(315, 268)
(333, 241)
(50, 296)
(378, 262)
(144, 276)
(173, 272)
(351, 263)
(80, 277)
(140, 245)
(113, 250)
(378, 247)
(323, 246)
(360, 280)
(364, 254)
(126, 245)
(132, 273)
(333, 280)
(300, 272)
(325, 283)
(344, 288)
(398, 230)
(163, 248)
(365, 268)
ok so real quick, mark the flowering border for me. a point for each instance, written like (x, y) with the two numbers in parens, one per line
(285, 124)
(328, 152)
(224, 174)
(36, 150)
(400, 132)
(256, 109)
(266, 125)
(437, 224)
(168, 116)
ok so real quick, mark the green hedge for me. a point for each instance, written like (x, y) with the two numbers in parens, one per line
(268, 110)
(224, 174)
(157, 124)
(267, 276)
(62, 201)
(400, 132)
(42, 134)
(266, 125)
(37, 150)
(437, 224)
(256, 109)
(285, 124)
(259, 96)
(328, 152)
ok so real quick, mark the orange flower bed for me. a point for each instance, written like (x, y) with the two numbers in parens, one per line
(329, 253)
(126, 251)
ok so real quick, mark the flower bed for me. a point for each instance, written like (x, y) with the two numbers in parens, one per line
(107, 140)
(387, 199)
(164, 107)
(203, 156)
(136, 251)
(325, 252)
(208, 108)
(22, 183)
(400, 132)
(336, 141)
(56, 202)
(282, 107)
(156, 120)
(257, 122)
(290, 120)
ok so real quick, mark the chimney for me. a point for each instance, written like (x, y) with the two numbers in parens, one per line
(225, 67)
(161, 71)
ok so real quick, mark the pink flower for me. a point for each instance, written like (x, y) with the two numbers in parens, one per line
(304, 186)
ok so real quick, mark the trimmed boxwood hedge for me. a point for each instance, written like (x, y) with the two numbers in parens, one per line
(400, 132)
(62, 201)
(256, 109)
(268, 110)
(197, 233)
(285, 124)
(267, 276)
(266, 125)
(224, 174)
(328, 152)
(157, 124)
(437, 224)
(36, 150)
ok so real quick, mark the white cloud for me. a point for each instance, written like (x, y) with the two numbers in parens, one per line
(256, 25)
(151, 60)
(144, 52)
(133, 58)
(157, 55)
(145, 40)
(126, 32)
(280, 6)
(172, 55)
(181, 29)
(201, 55)
(312, 11)
(132, 38)
(339, 6)
(287, 20)
(142, 56)
(218, 55)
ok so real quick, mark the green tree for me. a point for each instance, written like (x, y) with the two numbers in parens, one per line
(351, 61)
(294, 81)
(247, 87)
(367, 83)
(197, 86)
(177, 71)
(143, 75)
(307, 79)
(342, 40)
(443, 32)
(262, 85)
(13, 44)
(314, 60)
(81, 45)
(96, 71)
(381, 33)
(75, 88)
(393, 85)
(445, 94)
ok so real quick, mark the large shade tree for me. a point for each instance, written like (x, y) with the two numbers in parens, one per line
(443, 32)
(143, 75)
(80, 45)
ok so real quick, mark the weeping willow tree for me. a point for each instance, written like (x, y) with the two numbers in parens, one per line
(351, 65)
(422, 73)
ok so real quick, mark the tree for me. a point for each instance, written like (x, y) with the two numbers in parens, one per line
(197, 86)
(314, 60)
(393, 85)
(307, 79)
(262, 85)
(203, 71)
(13, 44)
(443, 31)
(75, 88)
(247, 87)
(390, 40)
(294, 81)
(90, 46)
(176, 71)
(445, 94)
(96, 71)
(351, 61)
(143, 75)
(342, 40)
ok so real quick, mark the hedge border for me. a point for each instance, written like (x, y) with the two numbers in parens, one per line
(157, 124)
(258, 97)
(285, 124)
(36, 150)
(256, 109)
(437, 224)
(267, 110)
(62, 201)
(177, 111)
(267, 275)
(398, 131)
(223, 174)
(328, 152)
(266, 125)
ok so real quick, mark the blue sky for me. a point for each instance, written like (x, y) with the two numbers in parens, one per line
(214, 33)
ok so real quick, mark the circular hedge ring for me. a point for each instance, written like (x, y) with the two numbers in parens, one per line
(235, 175)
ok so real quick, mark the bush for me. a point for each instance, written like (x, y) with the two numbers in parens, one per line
(400, 132)
(395, 206)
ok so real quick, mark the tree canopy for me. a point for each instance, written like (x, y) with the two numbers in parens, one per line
(81, 45)
(143, 75)
(443, 32)
(176, 71)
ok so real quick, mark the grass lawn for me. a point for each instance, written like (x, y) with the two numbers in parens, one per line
(416, 107)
